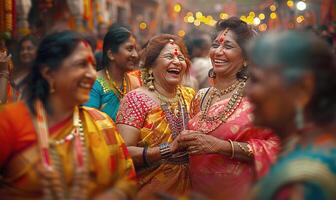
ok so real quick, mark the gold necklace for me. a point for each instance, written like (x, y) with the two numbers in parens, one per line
(171, 103)
(226, 90)
(122, 93)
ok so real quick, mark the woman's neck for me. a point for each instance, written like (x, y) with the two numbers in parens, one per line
(223, 82)
(116, 73)
(59, 110)
(164, 89)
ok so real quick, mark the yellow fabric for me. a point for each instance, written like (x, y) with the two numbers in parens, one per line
(109, 163)
(167, 177)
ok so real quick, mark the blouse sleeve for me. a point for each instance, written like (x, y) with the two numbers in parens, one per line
(95, 96)
(133, 109)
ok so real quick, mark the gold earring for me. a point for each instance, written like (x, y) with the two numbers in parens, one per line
(51, 88)
(150, 80)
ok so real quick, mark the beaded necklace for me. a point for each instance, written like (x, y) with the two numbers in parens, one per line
(114, 86)
(229, 109)
(52, 162)
(175, 111)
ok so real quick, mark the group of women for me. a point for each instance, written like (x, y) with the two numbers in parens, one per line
(156, 138)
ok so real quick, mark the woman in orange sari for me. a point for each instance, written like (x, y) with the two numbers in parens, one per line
(54, 148)
(227, 152)
(151, 118)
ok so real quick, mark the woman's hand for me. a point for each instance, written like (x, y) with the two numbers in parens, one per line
(199, 143)
(4, 60)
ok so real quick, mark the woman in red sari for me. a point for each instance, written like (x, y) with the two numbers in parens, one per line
(227, 153)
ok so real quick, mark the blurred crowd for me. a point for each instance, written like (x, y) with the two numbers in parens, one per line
(231, 114)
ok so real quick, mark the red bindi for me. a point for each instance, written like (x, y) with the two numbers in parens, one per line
(85, 43)
(90, 59)
(176, 52)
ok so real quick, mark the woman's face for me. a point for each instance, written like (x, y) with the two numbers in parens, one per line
(75, 77)
(127, 57)
(170, 66)
(225, 54)
(273, 100)
(28, 52)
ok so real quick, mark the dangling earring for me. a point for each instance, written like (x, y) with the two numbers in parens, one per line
(299, 118)
(51, 88)
(243, 72)
(211, 73)
(150, 80)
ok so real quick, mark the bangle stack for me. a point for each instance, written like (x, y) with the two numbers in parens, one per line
(165, 151)
(247, 150)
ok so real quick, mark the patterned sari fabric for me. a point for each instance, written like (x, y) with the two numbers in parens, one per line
(106, 98)
(218, 176)
(140, 111)
(109, 163)
(307, 172)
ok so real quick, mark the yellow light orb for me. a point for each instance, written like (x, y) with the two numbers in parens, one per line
(185, 19)
(252, 14)
(300, 19)
(223, 16)
(290, 3)
(189, 14)
(261, 16)
(249, 20)
(181, 33)
(191, 19)
(273, 8)
(177, 7)
(243, 18)
(197, 22)
(273, 15)
(199, 14)
(143, 25)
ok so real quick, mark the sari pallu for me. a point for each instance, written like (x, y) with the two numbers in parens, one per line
(106, 98)
(109, 163)
(140, 111)
(218, 176)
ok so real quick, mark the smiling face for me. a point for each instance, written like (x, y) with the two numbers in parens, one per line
(127, 57)
(170, 66)
(75, 77)
(225, 54)
(27, 53)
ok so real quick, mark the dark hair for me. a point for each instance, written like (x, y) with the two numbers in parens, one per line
(99, 60)
(52, 51)
(30, 38)
(295, 53)
(116, 36)
(155, 46)
(241, 29)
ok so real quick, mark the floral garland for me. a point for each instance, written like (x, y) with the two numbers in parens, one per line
(7, 17)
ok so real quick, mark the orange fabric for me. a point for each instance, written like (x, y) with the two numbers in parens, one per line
(110, 164)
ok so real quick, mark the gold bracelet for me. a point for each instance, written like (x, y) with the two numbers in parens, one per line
(248, 150)
(232, 149)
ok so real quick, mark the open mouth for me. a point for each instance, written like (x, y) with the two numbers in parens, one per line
(174, 71)
(220, 61)
(86, 85)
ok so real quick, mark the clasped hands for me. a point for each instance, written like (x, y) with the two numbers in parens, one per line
(195, 142)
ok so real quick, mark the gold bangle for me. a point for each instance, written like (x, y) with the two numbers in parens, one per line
(248, 150)
(232, 149)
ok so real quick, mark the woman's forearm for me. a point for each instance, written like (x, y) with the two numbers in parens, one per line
(235, 150)
(152, 155)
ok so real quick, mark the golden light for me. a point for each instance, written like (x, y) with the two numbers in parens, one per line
(189, 14)
(243, 18)
(301, 5)
(181, 33)
(249, 19)
(273, 8)
(273, 15)
(262, 27)
(177, 7)
(191, 19)
(143, 25)
(261, 16)
(212, 22)
(300, 19)
(290, 3)
(185, 19)
(199, 14)
(256, 21)
(197, 22)
(252, 14)
(223, 15)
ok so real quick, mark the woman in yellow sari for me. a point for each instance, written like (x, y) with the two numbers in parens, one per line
(151, 118)
(54, 148)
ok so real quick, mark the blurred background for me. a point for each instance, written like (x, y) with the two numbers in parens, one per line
(149, 17)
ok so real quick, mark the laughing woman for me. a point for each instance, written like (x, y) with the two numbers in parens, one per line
(117, 77)
(151, 118)
(53, 148)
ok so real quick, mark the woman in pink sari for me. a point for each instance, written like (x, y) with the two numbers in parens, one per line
(227, 153)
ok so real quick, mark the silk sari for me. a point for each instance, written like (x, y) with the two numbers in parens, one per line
(142, 112)
(109, 163)
(106, 98)
(218, 176)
